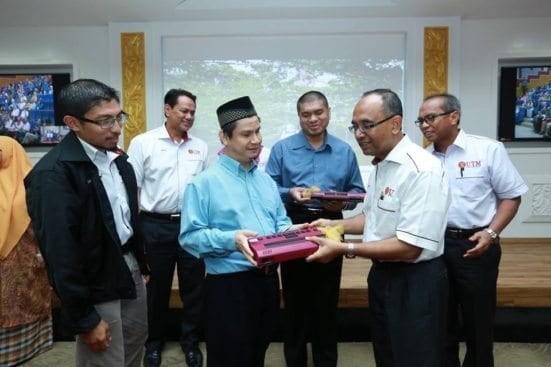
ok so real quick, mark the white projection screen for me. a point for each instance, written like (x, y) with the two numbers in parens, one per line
(275, 70)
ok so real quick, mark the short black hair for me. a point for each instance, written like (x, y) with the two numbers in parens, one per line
(171, 97)
(80, 96)
(392, 105)
(311, 96)
(451, 102)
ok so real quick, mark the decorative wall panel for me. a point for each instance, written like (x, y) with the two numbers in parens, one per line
(133, 83)
(435, 63)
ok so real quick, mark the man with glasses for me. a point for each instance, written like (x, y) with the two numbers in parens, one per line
(312, 157)
(403, 224)
(486, 193)
(165, 159)
(82, 199)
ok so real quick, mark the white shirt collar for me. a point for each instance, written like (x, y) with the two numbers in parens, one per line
(92, 152)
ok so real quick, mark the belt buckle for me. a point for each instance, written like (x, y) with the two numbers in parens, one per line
(174, 216)
(454, 233)
(459, 234)
(315, 210)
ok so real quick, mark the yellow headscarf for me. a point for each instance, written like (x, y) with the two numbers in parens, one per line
(14, 219)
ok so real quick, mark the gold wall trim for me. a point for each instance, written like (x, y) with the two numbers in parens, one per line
(435, 60)
(435, 66)
(133, 84)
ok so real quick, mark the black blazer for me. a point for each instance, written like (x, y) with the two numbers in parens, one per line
(76, 232)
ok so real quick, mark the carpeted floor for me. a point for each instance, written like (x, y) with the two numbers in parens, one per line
(350, 355)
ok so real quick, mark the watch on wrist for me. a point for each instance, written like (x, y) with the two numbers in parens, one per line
(350, 251)
(493, 234)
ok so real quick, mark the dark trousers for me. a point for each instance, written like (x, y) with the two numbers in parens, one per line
(311, 295)
(408, 309)
(241, 312)
(473, 295)
(163, 254)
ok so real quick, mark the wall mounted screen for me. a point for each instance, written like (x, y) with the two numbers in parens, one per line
(525, 102)
(28, 107)
(275, 70)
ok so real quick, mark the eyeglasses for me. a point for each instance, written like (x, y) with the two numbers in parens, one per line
(108, 122)
(365, 126)
(429, 119)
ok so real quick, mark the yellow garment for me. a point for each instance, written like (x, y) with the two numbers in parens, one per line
(14, 219)
(333, 233)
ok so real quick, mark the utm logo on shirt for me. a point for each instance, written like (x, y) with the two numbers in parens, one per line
(193, 151)
(387, 191)
(468, 164)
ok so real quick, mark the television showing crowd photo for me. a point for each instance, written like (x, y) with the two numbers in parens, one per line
(525, 103)
(28, 108)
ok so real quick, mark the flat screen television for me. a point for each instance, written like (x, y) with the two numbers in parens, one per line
(525, 103)
(29, 111)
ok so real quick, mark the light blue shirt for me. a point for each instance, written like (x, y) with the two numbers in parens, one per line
(332, 167)
(222, 200)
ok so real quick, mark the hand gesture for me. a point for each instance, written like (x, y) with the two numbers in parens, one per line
(482, 241)
(333, 205)
(300, 194)
(296, 227)
(242, 244)
(327, 250)
(98, 338)
(321, 222)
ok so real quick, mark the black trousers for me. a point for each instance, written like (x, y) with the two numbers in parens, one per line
(472, 295)
(408, 309)
(163, 254)
(311, 295)
(241, 312)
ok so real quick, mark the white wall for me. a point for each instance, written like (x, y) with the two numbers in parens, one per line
(483, 43)
(475, 47)
(86, 48)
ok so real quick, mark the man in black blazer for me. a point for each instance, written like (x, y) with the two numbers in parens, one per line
(82, 198)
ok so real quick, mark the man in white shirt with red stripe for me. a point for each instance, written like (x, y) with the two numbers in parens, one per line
(403, 224)
(486, 193)
(165, 159)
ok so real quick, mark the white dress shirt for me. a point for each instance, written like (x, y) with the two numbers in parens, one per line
(164, 167)
(408, 197)
(480, 174)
